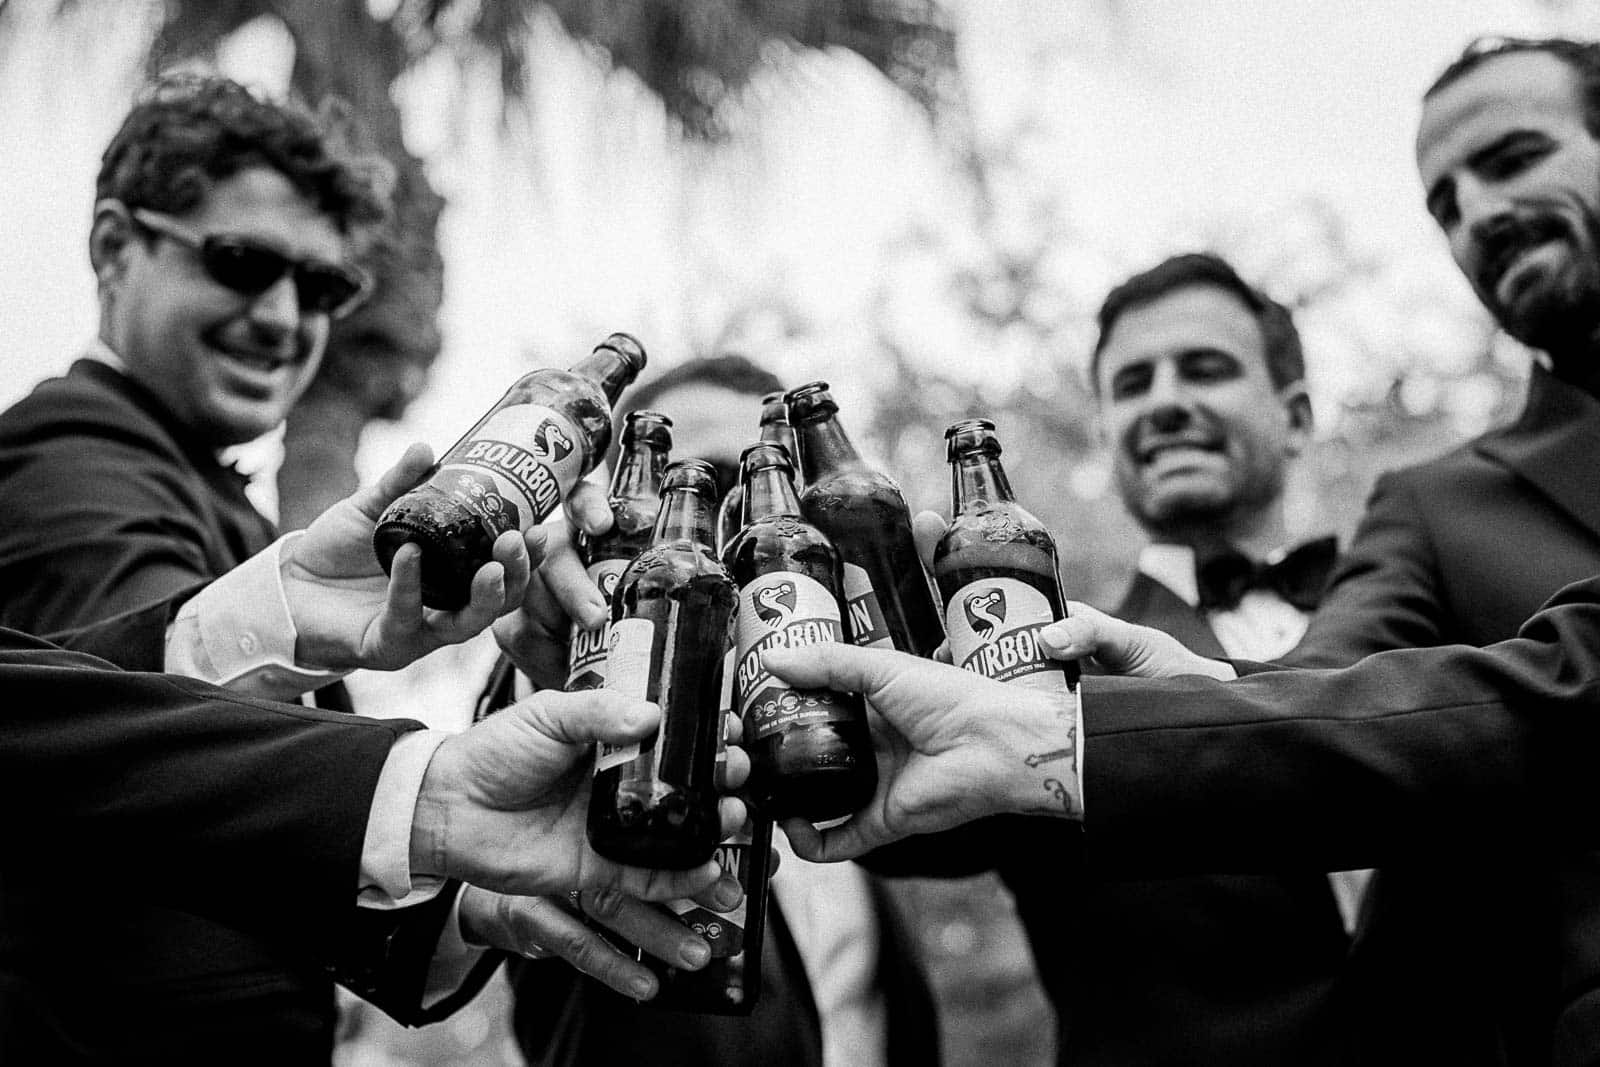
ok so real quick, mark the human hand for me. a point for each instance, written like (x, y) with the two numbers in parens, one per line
(951, 745)
(1124, 647)
(505, 804)
(347, 613)
(554, 928)
(558, 594)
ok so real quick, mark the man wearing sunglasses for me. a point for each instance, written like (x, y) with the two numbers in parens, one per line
(222, 244)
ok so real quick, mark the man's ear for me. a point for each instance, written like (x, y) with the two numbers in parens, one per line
(1297, 408)
(110, 237)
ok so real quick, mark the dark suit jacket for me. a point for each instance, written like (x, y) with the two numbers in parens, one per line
(563, 1019)
(113, 518)
(206, 795)
(1464, 549)
(1213, 969)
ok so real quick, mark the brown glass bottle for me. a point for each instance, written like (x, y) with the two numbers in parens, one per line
(635, 498)
(890, 602)
(996, 569)
(510, 471)
(810, 753)
(730, 983)
(774, 429)
(654, 803)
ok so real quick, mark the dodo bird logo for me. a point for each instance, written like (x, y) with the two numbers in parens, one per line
(550, 443)
(985, 610)
(775, 603)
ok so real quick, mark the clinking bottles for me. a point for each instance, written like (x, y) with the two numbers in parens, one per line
(775, 429)
(730, 983)
(863, 513)
(510, 471)
(654, 803)
(996, 569)
(635, 499)
(810, 753)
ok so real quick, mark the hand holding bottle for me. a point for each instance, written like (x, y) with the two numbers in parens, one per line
(347, 614)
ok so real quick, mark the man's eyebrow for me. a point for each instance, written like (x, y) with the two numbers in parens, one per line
(1476, 160)
(1480, 156)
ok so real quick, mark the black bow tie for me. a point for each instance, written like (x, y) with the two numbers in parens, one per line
(1299, 576)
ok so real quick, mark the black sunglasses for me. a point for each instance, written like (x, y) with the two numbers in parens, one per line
(251, 266)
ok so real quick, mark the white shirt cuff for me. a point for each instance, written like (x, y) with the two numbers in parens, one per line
(386, 878)
(237, 633)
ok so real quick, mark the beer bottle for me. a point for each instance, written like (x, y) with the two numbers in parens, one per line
(863, 513)
(654, 802)
(810, 753)
(510, 471)
(635, 499)
(775, 429)
(730, 982)
(997, 571)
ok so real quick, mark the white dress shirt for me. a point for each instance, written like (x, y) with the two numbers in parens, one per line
(1262, 627)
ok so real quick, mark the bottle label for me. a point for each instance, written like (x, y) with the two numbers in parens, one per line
(723, 931)
(782, 610)
(586, 655)
(866, 617)
(629, 651)
(994, 625)
(517, 469)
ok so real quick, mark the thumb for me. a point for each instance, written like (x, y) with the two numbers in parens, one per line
(926, 529)
(833, 666)
(586, 717)
(412, 467)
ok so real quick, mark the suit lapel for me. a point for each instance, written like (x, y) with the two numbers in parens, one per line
(1149, 603)
(1555, 447)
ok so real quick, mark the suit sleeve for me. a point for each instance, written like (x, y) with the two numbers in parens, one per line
(1385, 592)
(97, 525)
(1413, 755)
(185, 793)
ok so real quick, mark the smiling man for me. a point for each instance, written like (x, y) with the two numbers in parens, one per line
(1199, 379)
(222, 241)
(1462, 549)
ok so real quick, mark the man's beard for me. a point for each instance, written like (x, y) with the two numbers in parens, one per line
(1559, 315)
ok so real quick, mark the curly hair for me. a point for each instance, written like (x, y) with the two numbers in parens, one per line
(188, 131)
(1286, 361)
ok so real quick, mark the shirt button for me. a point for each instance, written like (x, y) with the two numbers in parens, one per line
(248, 644)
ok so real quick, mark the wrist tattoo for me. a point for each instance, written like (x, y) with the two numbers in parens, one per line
(1061, 800)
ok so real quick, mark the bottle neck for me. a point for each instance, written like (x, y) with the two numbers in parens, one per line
(686, 515)
(768, 492)
(824, 447)
(978, 478)
(780, 433)
(639, 473)
(608, 369)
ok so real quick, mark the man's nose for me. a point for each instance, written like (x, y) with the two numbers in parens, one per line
(1169, 417)
(1482, 206)
(276, 309)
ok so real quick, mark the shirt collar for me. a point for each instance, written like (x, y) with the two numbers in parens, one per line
(1173, 567)
(101, 352)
